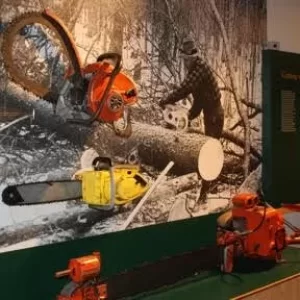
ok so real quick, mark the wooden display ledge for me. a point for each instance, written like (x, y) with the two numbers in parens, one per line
(279, 282)
(288, 287)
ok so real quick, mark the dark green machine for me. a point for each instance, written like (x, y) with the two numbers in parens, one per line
(28, 274)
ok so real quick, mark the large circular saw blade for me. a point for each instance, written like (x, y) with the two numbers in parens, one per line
(29, 29)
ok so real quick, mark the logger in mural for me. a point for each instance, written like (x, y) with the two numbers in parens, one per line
(201, 83)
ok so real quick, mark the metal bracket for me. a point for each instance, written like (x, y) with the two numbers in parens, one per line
(272, 45)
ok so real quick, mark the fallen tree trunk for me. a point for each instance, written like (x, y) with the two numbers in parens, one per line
(70, 220)
(44, 115)
(156, 146)
(231, 137)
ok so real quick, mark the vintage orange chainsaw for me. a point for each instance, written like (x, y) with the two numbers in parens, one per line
(83, 94)
(83, 272)
(254, 229)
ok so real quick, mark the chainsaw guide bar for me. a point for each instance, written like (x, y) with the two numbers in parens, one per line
(41, 193)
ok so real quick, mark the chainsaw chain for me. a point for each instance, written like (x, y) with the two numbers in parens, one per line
(44, 202)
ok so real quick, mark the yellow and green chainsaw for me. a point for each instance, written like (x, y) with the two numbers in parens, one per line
(103, 186)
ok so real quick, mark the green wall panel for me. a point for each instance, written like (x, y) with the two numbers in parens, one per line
(223, 287)
(29, 274)
(281, 130)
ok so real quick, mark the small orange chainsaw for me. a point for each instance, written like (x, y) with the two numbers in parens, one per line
(253, 229)
(83, 272)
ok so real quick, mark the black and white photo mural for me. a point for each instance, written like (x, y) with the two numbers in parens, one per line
(175, 109)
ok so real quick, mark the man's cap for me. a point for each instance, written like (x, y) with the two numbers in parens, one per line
(188, 46)
(188, 39)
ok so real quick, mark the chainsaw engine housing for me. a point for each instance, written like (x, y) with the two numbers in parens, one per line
(129, 185)
(264, 225)
(123, 92)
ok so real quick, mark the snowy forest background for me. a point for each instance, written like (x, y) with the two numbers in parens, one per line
(230, 36)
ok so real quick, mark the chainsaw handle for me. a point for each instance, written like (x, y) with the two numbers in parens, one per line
(111, 55)
(105, 163)
(114, 73)
(63, 273)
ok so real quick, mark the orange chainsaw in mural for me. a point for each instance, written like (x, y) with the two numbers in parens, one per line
(82, 94)
(254, 229)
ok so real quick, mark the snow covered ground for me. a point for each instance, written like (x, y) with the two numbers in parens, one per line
(22, 245)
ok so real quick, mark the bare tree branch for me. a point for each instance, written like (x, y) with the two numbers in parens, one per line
(240, 123)
(241, 111)
(255, 106)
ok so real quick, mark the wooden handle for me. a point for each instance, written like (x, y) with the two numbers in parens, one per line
(62, 273)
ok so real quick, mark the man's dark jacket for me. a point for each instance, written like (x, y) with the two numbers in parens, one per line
(201, 83)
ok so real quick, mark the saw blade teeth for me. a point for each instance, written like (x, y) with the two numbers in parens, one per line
(41, 203)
